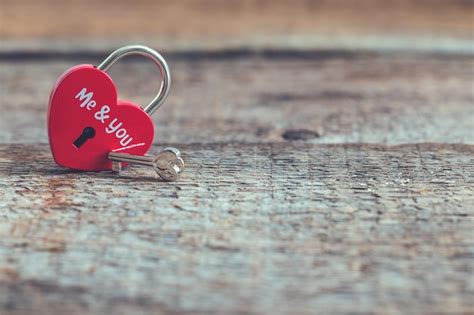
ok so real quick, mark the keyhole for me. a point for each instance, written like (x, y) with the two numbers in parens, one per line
(86, 134)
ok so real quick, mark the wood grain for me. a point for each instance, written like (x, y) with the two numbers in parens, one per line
(211, 24)
(195, 18)
(320, 98)
(329, 152)
(277, 228)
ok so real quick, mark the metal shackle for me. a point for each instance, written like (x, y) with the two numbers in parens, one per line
(151, 54)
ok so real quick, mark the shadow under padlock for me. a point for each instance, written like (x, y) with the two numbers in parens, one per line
(90, 129)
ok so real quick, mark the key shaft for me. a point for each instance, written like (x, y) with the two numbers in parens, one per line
(132, 159)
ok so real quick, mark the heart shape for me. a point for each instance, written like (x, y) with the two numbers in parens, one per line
(83, 127)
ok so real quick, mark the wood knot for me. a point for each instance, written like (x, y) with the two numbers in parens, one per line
(300, 134)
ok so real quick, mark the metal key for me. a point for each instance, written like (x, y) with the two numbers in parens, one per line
(168, 164)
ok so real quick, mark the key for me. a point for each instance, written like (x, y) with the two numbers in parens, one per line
(86, 134)
(168, 164)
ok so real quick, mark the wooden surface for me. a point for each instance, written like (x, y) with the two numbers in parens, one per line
(329, 152)
(287, 228)
(365, 98)
(214, 18)
(190, 25)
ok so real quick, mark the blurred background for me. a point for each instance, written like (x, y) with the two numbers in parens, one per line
(253, 24)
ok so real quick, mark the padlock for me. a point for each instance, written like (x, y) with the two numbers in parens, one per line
(86, 120)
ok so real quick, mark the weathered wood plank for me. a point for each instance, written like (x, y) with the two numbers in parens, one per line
(214, 17)
(213, 25)
(332, 98)
(276, 228)
(218, 19)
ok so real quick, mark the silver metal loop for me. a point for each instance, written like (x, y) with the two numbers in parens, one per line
(157, 102)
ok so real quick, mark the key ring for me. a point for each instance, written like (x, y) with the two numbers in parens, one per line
(159, 99)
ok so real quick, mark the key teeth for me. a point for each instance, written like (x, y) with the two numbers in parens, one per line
(116, 166)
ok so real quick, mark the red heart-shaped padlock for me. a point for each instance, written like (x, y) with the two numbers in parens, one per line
(86, 121)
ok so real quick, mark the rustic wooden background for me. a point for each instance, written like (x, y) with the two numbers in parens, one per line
(329, 151)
